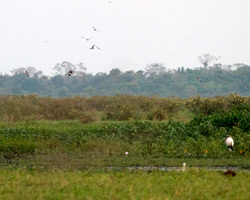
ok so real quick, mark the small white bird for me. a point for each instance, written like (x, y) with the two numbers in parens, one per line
(184, 167)
(230, 143)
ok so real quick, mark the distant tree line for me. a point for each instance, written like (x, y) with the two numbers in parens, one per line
(155, 79)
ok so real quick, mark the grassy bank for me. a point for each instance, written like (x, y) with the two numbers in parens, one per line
(58, 184)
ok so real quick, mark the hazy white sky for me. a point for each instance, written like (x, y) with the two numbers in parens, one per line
(133, 33)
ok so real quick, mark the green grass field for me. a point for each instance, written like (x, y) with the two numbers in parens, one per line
(55, 152)
(62, 184)
(74, 145)
(70, 160)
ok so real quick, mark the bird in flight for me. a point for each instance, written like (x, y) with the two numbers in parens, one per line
(217, 58)
(70, 72)
(87, 38)
(27, 73)
(94, 46)
(197, 77)
(95, 29)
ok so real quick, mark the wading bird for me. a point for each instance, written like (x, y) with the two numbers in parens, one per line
(184, 167)
(230, 143)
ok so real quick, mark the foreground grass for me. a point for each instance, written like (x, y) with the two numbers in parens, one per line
(60, 184)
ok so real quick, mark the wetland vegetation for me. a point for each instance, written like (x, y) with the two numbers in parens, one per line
(73, 141)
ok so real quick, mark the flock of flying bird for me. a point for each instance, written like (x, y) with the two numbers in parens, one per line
(94, 46)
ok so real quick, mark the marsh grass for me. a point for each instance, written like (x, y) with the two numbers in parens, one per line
(72, 144)
(73, 184)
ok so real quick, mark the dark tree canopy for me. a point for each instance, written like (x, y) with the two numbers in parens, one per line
(155, 80)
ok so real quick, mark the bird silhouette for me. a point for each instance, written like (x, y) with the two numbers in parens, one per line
(217, 58)
(197, 77)
(87, 38)
(70, 72)
(95, 29)
(94, 46)
(27, 73)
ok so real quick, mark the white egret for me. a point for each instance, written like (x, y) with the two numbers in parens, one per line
(184, 167)
(230, 143)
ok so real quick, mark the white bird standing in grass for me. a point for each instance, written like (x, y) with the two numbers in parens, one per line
(184, 167)
(229, 143)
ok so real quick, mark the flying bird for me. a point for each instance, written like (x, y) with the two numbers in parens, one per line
(95, 29)
(27, 73)
(197, 77)
(230, 143)
(94, 46)
(87, 38)
(217, 58)
(70, 72)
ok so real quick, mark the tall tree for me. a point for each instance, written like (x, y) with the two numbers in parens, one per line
(206, 59)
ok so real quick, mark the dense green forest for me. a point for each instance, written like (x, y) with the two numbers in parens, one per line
(155, 79)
